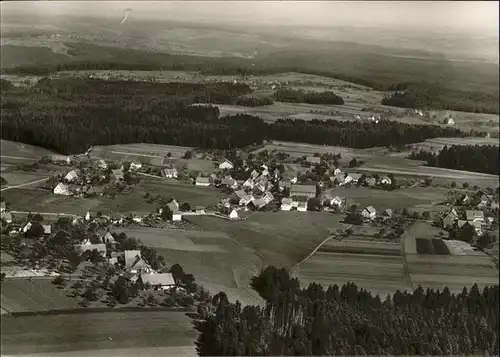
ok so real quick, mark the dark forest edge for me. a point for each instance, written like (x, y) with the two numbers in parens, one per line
(476, 158)
(348, 320)
(87, 56)
(68, 115)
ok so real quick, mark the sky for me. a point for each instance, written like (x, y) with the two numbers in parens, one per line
(467, 16)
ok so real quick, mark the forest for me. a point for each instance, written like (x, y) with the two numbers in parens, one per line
(476, 158)
(348, 320)
(300, 96)
(69, 114)
(475, 98)
(433, 96)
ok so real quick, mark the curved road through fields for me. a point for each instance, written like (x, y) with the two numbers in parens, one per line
(25, 184)
(312, 253)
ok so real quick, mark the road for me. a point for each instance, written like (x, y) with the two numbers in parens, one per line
(25, 184)
(48, 213)
(18, 158)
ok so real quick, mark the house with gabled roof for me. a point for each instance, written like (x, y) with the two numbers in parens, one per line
(336, 201)
(248, 183)
(233, 214)
(387, 213)
(202, 181)
(229, 182)
(472, 216)
(134, 262)
(245, 200)
(71, 175)
(302, 206)
(340, 178)
(254, 174)
(61, 159)
(226, 165)
(337, 171)
(101, 164)
(303, 190)
(286, 204)
(449, 218)
(200, 209)
(483, 200)
(386, 180)
(369, 212)
(268, 197)
(62, 189)
(239, 194)
(352, 178)
(258, 203)
(117, 174)
(313, 160)
(134, 166)
(162, 281)
(86, 246)
(170, 173)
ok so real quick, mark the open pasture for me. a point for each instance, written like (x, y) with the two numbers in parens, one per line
(437, 144)
(377, 267)
(382, 199)
(196, 241)
(140, 149)
(35, 294)
(38, 200)
(96, 331)
(182, 192)
(23, 151)
(19, 178)
(468, 121)
(455, 272)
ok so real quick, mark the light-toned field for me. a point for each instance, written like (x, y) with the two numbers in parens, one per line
(182, 351)
(97, 331)
(24, 151)
(396, 200)
(217, 261)
(19, 178)
(35, 294)
(455, 272)
(468, 121)
(135, 151)
(438, 143)
(375, 266)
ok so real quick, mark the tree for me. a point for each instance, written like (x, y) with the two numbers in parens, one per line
(314, 204)
(120, 290)
(188, 154)
(467, 233)
(58, 280)
(426, 215)
(453, 184)
(3, 181)
(185, 207)
(353, 163)
(485, 240)
(465, 185)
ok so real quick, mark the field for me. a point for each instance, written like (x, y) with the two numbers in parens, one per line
(36, 294)
(97, 331)
(438, 143)
(136, 151)
(375, 266)
(23, 151)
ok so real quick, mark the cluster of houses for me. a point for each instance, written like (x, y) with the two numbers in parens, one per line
(473, 218)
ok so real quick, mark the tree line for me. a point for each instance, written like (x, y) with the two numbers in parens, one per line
(476, 158)
(434, 96)
(68, 115)
(348, 320)
(301, 96)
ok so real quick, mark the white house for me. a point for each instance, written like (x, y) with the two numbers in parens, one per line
(88, 216)
(226, 165)
(170, 173)
(27, 227)
(248, 183)
(302, 207)
(137, 219)
(202, 181)
(245, 200)
(337, 171)
(135, 166)
(385, 180)
(62, 189)
(474, 216)
(336, 201)
(286, 204)
(117, 174)
(233, 214)
(176, 216)
(71, 176)
(369, 212)
(265, 172)
(352, 179)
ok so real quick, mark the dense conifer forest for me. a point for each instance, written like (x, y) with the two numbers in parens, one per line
(300, 96)
(69, 114)
(349, 321)
(476, 158)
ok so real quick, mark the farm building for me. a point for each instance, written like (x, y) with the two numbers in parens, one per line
(261, 186)
(286, 204)
(229, 182)
(117, 174)
(245, 200)
(313, 160)
(268, 197)
(483, 201)
(303, 190)
(94, 191)
(248, 183)
(176, 216)
(87, 246)
(101, 164)
(239, 194)
(233, 214)
(61, 159)
(385, 180)
(387, 213)
(62, 189)
(465, 199)
(226, 165)
(336, 201)
(170, 173)
(6, 216)
(337, 171)
(71, 176)
(134, 262)
(200, 209)
(161, 281)
(473, 216)
(352, 178)
(3, 207)
(258, 203)
(302, 206)
(47, 228)
(202, 181)
(449, 121)
(254, 174)
(449, 218)
(135, 166)
(369, 212)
